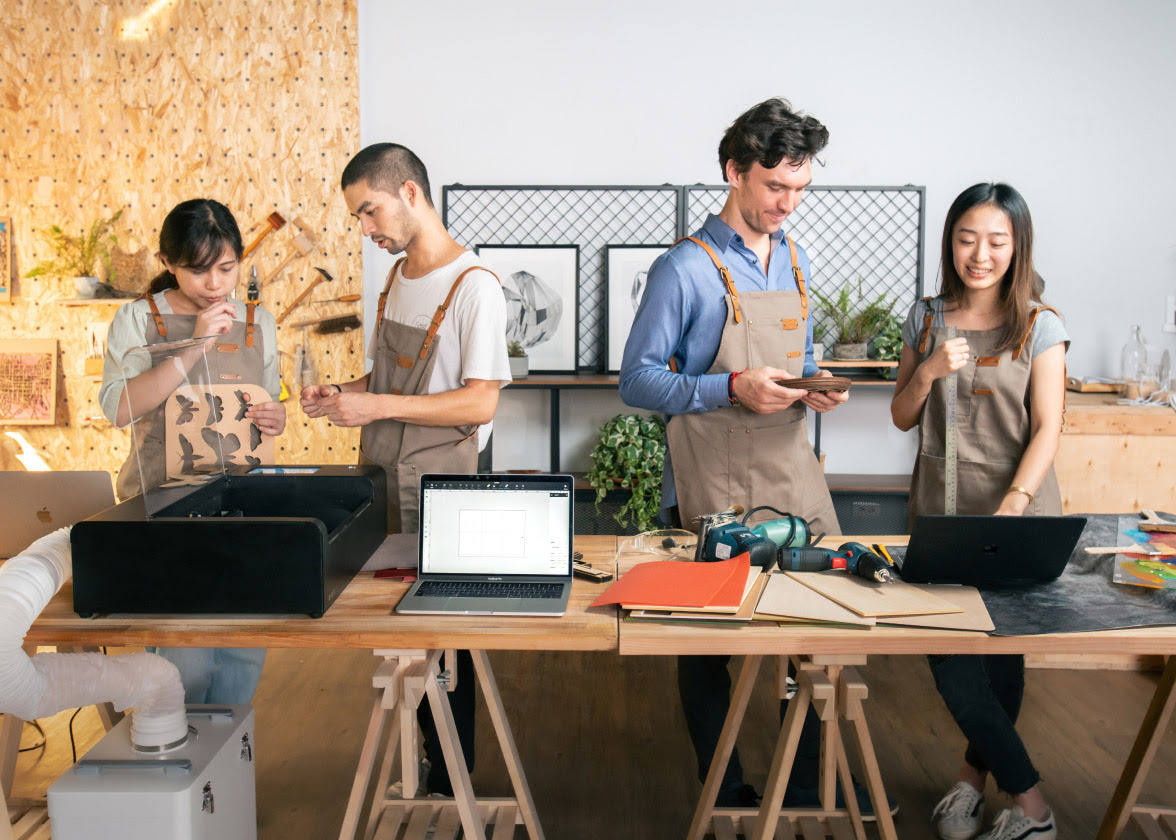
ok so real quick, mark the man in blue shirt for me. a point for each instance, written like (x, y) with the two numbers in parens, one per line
(723, 324)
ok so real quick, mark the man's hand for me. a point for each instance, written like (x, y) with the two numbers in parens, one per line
(352, 408)
(311, 399)
(757, 390)
(826, 401)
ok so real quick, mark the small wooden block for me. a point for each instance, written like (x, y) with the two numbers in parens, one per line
(811, 828)
(391, 818)
(505, 820)
(724, 828)
(841, 828)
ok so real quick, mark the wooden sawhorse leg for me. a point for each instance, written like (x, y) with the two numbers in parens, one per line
(406, 677)
(836, 691)
(1147, 741)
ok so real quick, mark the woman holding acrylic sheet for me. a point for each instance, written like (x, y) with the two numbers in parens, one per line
(200, 247)
(1006, 351)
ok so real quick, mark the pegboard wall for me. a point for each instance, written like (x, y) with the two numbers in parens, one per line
(137, 106)
(875, 233)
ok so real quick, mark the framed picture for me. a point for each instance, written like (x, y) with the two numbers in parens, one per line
(541, 286)
(7, 261)
(28, 381)
(626, 268)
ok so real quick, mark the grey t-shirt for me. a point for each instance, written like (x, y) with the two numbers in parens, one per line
(1047, 329)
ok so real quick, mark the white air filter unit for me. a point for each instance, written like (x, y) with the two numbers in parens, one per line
(203, 790)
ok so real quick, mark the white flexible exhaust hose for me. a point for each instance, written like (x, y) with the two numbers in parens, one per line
(50, 682)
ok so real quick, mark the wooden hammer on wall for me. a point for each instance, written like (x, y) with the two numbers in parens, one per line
(274, 221)
(322, 275)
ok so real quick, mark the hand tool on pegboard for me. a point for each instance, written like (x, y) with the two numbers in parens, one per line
(274, 221)
(303, 245)
(333, 324)
(322, 276)
(351, 298)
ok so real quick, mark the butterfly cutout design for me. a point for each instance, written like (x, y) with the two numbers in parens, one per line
(187, 409)
(243, 400)
(188, 456)
(223, 445)
(215, 409)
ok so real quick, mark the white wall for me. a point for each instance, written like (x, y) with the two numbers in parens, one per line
(1071, 102)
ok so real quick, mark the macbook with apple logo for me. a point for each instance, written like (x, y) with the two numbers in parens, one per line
(37, 503)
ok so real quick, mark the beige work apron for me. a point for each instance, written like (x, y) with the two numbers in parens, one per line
(237, 357)
(732, 455)
(403, 360)
(992, 427)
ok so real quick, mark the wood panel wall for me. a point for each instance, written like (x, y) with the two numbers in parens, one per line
(136, 106)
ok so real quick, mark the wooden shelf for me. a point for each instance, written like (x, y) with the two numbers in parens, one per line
(855, 363)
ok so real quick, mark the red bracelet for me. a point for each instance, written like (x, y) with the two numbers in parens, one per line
(731, 398)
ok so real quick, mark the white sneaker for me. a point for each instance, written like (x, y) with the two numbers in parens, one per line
(959, 814)
(396, 789)
(1012, 824)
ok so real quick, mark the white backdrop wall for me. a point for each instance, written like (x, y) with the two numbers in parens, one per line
(1071, 102)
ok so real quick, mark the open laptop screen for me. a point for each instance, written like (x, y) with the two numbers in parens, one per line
(496, 525)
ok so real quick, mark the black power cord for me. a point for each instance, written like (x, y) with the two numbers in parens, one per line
(44, 737)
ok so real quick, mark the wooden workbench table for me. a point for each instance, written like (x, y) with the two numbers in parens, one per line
(361, 617)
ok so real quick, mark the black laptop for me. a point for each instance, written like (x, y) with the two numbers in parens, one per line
(989, 550)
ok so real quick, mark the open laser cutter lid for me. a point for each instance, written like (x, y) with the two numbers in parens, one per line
(200, 428)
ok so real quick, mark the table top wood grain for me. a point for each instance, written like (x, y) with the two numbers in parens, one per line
(361, 617)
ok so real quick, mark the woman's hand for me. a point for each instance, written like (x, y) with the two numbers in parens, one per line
(1013, 504)
(269, 417)
(946, 359)
(215, 320)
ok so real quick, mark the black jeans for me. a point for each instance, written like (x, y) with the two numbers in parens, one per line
(704, 685)
(983, 694)
(461, 700)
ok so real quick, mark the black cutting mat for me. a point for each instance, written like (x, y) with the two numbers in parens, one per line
(1083, 598)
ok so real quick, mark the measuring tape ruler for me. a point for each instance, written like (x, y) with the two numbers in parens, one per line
(949, 437)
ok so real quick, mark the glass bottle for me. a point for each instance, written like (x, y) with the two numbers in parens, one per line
(1133, 357)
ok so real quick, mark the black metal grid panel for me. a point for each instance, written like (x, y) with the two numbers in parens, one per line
(875, 233)
(588, 216)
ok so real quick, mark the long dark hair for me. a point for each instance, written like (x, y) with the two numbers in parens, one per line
(194, 235)
(1021, 284)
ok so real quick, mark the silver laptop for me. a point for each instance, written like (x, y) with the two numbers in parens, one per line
(493, 545)
(36, 503)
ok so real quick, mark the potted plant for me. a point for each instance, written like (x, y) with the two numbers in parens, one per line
(818, 341)
(629, 453)
(77, 256)
(856, 320)
(517, 356)
(887, 345)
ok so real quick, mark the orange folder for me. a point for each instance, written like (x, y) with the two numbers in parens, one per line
(673, 583)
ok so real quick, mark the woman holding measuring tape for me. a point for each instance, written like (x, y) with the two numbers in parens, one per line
(1006, 352)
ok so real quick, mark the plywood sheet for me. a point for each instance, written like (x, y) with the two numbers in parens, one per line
(206, 423)
(974, 616)
(875, 599)
(787, 597)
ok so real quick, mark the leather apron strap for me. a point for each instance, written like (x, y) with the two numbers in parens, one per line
(160, 326)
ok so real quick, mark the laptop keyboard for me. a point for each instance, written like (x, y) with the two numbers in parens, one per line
(480, 589)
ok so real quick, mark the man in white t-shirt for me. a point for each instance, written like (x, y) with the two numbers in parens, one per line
(438, 355)
(428, 403)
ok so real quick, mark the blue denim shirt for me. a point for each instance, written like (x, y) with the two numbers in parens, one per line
(682, 315)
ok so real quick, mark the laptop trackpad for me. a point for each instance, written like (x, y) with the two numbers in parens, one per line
(487, 606)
